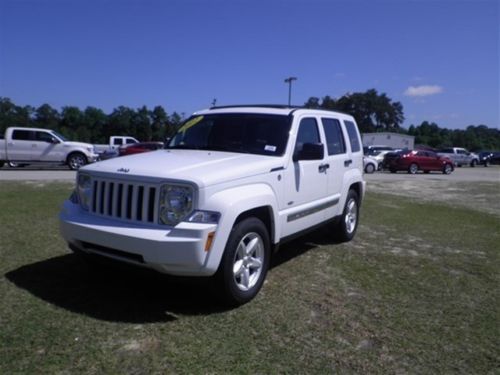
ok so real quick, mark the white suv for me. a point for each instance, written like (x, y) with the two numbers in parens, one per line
(233, 184)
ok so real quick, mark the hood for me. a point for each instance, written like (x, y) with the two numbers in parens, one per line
(204, 168)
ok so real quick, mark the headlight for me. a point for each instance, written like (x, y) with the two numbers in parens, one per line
(176, 202)
(84, 190)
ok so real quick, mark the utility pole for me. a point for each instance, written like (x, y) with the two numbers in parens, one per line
(289, 80)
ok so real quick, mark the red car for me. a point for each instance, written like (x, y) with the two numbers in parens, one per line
(137, 148)
(417, 160)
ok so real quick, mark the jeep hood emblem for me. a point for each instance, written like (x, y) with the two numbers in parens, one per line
(124, 170)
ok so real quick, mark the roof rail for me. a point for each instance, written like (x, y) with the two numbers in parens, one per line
(277, 106)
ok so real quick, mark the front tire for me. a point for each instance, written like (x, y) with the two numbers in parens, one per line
(348, 224)
(447, 169)
(473, 163)
(245, 262)
(76, 160)
(413, 168)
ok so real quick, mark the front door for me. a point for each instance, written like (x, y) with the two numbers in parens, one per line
(306, 184)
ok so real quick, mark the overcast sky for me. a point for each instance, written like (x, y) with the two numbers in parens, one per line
(439, 58)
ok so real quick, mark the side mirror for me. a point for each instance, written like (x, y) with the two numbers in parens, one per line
(54, 140)
(310, 151)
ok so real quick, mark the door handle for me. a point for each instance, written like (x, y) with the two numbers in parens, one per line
(347, 163)
(323, 167)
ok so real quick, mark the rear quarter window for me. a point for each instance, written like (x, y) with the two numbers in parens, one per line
(353, 136)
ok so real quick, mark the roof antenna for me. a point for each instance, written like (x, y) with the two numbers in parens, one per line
(214, 102)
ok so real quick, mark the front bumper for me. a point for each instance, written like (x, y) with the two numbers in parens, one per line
(177, 251)
(92, 158)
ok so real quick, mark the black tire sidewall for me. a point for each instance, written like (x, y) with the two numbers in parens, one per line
(232, 294)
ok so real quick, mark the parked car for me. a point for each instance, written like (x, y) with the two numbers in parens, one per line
(233, 184)
(115, 142)
(137, 148)
(369, 164)
(413, 161)
(495, 158)
(375, 149)
(379, 158)
(487, 158)
(27, 146)
(460, 156)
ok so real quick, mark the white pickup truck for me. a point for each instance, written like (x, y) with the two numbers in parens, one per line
(460, 156)
(115, 142)
(233, 184)
(43, 146)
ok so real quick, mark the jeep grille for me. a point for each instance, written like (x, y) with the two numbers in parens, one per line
(125, 200)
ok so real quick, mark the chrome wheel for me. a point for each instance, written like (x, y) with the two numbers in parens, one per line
(76, 161)
(413, 168)
(370, 168)
(447, 169)
(248, 261)
(351, 216)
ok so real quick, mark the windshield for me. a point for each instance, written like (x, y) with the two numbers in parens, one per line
(61, 137)
(232, 132)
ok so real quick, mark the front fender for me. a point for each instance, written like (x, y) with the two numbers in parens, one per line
(231, 203)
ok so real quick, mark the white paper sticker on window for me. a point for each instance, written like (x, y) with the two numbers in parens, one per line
(270, 148)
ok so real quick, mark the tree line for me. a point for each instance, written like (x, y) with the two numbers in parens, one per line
(92, 125)
(373, 111)
(376, 112)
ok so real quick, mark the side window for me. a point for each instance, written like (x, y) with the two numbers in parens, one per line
(334, 137)
(353, 136)
(117, 141)
(21, 135)
(130, 141)
(43, 137)
(308, 133)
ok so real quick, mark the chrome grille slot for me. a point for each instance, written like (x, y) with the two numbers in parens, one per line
(125, 200)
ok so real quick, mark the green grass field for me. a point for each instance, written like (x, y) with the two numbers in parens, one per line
(417, 291)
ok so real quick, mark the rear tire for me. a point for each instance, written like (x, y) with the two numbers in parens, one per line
(370, 168)
(245, 262)
(346, 227)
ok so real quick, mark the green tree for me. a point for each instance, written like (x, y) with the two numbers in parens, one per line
(372, 111)
(120, 122)
(47, 117)
(142, 124)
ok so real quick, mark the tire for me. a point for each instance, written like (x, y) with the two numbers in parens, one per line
(473, 163)
(346, 227)
(486, 163)
(76, 160)
(392, 170)
(413, 168)
(447, 169)
(370, 168)
(245, 262)
(1, 163)
(427, 172)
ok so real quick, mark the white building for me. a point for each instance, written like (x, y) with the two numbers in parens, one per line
(394, 140)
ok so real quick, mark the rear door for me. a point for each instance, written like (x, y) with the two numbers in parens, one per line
(20, 144)
(336, 156)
